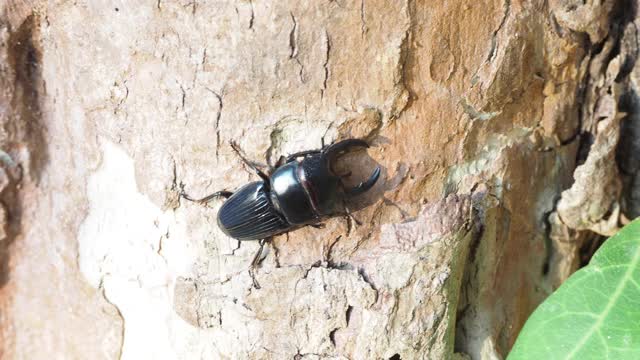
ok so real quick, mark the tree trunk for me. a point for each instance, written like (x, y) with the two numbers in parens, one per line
(507, 133)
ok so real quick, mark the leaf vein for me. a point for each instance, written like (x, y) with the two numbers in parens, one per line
(612, 301)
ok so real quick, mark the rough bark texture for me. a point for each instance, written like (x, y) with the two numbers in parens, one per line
(507, 133)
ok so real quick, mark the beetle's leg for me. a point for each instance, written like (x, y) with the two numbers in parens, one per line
(347, 213)
(250, 164)
(365, 185)
(350, 216)
(317, 226)
(225, 194)
(281, 161)
(256, 285)
(257, 258)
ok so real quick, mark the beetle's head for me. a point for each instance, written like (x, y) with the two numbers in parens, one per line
(324, 186)
(335, 151)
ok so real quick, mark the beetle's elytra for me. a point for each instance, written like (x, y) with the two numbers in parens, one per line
(302, 189)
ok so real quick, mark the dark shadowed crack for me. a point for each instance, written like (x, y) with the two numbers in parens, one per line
(239, 244)
(116, 110)
(293, 47)
(404, 63)
(293, 38)
(366, 279)
(494, 37)
(25, 60)
(325, 65)
(122, 329)
(363, 20)
(276, 253)
(330, 249)
(23, 138)
(218, 96)
(252, 15)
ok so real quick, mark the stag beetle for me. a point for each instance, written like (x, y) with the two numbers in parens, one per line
(302, 189)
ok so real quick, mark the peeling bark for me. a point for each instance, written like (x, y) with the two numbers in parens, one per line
(507, 133)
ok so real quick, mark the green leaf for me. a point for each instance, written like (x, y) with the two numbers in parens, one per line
(595, 314)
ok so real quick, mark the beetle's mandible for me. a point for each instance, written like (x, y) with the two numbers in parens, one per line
(301, 189)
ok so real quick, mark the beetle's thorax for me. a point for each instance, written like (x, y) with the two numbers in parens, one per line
(321, 184)
(309, 189)
(291, 197)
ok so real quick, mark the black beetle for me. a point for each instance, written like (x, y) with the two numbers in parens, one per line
(302, 189)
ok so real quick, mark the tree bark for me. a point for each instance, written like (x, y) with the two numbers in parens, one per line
(507, 133)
